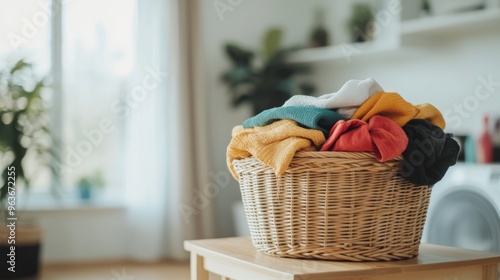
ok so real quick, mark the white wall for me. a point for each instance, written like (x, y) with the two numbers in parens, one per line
(442, 70)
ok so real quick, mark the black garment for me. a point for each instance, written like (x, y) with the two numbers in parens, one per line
(429, 153)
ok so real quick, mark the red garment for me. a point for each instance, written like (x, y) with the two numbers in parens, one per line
(380, 135)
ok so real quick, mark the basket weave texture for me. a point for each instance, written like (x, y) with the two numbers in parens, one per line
(333, 206)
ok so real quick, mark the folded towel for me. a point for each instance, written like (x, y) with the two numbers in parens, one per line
(393, 106)
(429, 154)
(274, 144)
(310, 117)
(349, 97)
(380, 135)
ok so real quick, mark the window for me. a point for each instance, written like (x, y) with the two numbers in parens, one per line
(97, 58)
(92, 46)
(25, 33)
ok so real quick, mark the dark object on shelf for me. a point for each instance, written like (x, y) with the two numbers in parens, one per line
(27, 261)
(496, 142)
(266, 86)
(359, 22)
(26, 254)
(496, 154)
(319, 35)
(426, 9)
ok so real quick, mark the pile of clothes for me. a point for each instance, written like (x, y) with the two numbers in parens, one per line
(360, 117)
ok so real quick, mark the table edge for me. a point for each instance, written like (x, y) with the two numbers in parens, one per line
(494, 258)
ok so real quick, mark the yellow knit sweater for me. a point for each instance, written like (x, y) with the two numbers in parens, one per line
(274, 145)
(394, 107)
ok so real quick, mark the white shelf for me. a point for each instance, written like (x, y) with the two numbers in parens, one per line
(452, 22)
(397, 31)
(344, 52)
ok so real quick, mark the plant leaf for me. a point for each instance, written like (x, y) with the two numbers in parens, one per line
(271, 42)
(19, 65)
(238, 55)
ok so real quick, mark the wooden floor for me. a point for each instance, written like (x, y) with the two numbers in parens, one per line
(116, 271)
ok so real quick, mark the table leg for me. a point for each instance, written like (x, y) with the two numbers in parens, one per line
(490, 272)
(198, 271)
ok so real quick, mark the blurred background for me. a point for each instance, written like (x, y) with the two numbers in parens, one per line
(116, 114)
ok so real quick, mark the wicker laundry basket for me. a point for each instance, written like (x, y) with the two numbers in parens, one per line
(333, 206)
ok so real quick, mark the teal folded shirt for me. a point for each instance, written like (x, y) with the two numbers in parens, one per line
(309, 117)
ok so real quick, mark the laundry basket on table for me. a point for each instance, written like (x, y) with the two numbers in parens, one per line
(333, 206)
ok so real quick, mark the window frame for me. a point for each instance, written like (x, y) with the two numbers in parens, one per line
(56, 76)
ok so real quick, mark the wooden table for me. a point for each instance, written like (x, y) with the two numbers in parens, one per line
(236, 258)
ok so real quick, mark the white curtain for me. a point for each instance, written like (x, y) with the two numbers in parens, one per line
(166, 162)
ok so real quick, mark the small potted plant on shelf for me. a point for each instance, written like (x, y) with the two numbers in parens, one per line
(24, 133)
(266, 81)
(87, 184)
(359, 22)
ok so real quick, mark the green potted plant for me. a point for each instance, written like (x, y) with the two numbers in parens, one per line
(24, 133)
(88, 183)
(359, 22)
(263, 81)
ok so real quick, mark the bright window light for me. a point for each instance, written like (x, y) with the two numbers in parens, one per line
(98, 54)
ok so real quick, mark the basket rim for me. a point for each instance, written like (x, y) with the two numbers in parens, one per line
(334, 154)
